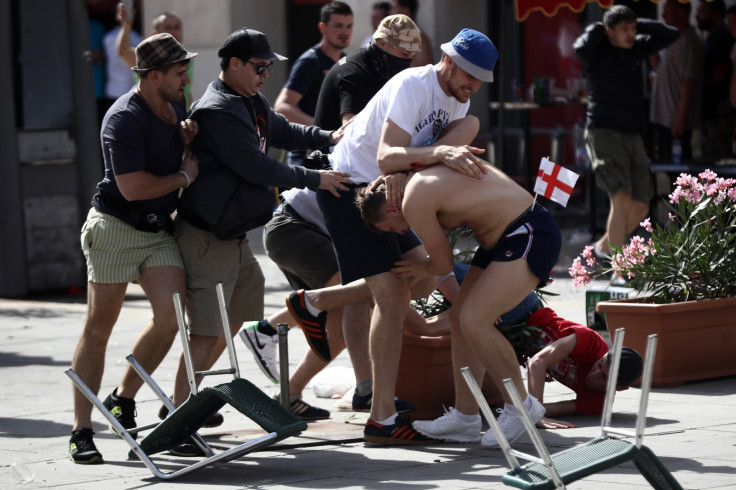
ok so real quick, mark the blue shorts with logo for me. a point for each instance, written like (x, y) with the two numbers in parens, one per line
(534, 236)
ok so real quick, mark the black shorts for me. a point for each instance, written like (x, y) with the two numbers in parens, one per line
(360, 252)
(534, 236)
(301, 250)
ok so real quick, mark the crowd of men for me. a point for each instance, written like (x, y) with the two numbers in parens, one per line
(360, 232)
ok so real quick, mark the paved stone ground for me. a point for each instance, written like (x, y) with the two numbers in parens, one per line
(691, 427)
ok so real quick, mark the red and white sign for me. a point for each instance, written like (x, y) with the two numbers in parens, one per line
(555, 182)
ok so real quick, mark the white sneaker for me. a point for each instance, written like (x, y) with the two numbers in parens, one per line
(449, 427)
(265, 349)
(511, 424)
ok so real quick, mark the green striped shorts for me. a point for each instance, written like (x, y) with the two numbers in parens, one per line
(116, 252)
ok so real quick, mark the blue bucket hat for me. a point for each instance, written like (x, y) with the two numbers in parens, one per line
(473, 52)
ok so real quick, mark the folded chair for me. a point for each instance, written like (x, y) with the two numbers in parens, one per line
(556, 470)
(183, 423)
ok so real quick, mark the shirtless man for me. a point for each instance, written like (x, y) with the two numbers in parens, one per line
(519, 245)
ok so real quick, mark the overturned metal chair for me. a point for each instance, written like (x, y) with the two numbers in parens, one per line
(183, 423)
(555, 471)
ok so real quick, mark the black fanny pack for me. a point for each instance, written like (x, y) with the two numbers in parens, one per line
(140, 220)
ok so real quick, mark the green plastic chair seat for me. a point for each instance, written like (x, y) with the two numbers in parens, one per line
(242, 395)
(573, 464)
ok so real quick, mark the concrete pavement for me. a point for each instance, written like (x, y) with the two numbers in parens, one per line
(692, 427)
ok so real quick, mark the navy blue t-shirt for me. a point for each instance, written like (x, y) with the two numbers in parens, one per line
(134, 138)
(306, 77)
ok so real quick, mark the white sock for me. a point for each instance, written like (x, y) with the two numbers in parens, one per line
(389, 421)
(468, 419)
(528, 403)
(311, 309)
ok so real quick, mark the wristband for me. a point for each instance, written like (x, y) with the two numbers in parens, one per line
(186, 176)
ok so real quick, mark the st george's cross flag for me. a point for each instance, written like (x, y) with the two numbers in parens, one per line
(555, 182)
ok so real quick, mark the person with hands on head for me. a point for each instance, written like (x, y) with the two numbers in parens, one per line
(237, 127)
(165, 22)
(418, 119)
(127, 235)
(612, 53)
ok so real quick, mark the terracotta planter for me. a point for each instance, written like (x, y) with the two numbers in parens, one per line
(697, 339)
(425, 376)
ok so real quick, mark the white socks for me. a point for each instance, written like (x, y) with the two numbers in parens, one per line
(310, 308)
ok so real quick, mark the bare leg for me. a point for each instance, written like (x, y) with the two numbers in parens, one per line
(328, 298)
(310, 363)
(203, 349)
(484, 297)
(356, 320)
(623, 218)
(159, 284)
(392, 297)
(462, 353)
(104, 302)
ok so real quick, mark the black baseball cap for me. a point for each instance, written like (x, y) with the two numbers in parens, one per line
(630, 367)
(248, 43)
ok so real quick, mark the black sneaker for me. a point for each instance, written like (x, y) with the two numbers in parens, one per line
(314, 327)
(305, 411)
(362, 403)
(187, 450)
(400, 432)
(82, 449)
(123, 409)
(308, 412)
(214, 420)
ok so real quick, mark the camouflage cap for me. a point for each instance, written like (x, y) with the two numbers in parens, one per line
(400, 32)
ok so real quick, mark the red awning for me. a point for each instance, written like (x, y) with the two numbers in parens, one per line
(550, 7)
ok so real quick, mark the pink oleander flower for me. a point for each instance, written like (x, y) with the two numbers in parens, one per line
(688, 257)
(647, 225)
(588, 256)
(579, 273)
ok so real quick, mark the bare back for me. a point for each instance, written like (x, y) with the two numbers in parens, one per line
(450, 199)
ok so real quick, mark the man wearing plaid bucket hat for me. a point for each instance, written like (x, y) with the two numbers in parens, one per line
(127, 235)
(418, 118)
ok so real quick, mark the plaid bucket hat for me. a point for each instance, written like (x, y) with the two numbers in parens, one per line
(159, 50)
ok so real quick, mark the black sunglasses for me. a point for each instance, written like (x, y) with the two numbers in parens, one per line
(261, 69)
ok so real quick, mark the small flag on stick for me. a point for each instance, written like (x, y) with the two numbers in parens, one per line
(554, 182)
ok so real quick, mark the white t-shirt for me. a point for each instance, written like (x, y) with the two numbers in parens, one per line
(413, 100)
(304, 202)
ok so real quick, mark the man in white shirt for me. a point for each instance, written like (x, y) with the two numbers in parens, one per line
(417, 119)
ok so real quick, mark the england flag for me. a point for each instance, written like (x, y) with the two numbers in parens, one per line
(555, 182)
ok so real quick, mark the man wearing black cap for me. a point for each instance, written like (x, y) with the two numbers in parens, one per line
(577, 357)
(127, 236)
(237, 127)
